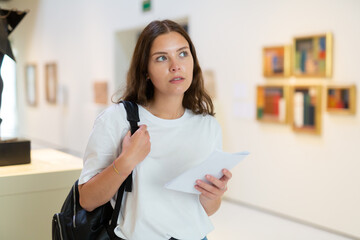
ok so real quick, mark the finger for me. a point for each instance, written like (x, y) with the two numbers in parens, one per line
(227, 175)
(127, 137)
(143, 127)
(219, 183)
(207, 190)
(209, 187)
(142, 130)
(206, 193)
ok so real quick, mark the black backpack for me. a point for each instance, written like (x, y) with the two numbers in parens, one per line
(74, 222)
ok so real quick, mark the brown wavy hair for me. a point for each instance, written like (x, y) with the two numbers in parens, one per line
(141, 91)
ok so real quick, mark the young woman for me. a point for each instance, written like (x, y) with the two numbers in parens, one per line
(177, 131)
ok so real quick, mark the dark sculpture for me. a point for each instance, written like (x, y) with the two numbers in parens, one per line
(9, 19)
(14, 151)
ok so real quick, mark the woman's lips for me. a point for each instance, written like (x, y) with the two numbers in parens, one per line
(177, 80)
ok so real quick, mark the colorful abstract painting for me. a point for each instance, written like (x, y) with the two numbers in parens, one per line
(312, 56)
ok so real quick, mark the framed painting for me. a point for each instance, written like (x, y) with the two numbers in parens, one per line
(210, 83)
(31, 84)
(51, 82)
(276, 61)
(313, 56)
(272, 103)
(306, 108)
(341, 99)
(100, 92)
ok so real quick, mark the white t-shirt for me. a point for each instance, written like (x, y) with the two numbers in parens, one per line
(151, 211)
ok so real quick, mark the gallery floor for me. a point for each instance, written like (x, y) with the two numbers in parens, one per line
(238, 222)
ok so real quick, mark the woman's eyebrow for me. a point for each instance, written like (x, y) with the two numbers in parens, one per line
(159, 53)
(164, 53)
(180, 49)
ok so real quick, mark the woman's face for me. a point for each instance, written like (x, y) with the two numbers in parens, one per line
(170, 65)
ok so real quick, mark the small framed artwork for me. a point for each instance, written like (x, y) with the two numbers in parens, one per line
(272, 103)
(31, 84)
(100, 92)
(313, 56)
(210, 83)
(341, 99)
(51, 82)
(276, 61)
(306, 108)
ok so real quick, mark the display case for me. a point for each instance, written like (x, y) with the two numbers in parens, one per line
(341, 99)
(305, 104)
(272, 103)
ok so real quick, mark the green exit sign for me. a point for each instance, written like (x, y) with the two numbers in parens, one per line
(146, 6)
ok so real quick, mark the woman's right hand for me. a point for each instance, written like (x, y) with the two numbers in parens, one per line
(98, 190)
(134, 149)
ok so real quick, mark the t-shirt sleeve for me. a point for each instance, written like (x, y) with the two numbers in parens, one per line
(104, 144)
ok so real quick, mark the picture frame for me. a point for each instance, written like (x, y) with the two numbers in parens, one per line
(341, 99)
(100, 92)
(51, 82)
(210, 82)
(31, 84)
(276, 61)
(305, 104)
(312, 56)
(272, 103)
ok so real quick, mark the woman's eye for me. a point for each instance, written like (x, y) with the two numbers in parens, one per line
(161, 58)
(183, 54)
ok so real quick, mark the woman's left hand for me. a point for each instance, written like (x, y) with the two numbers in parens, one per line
(211, 193)
(216, 188)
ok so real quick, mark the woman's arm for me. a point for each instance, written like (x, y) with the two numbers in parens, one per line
(210, 197)
(103, 186)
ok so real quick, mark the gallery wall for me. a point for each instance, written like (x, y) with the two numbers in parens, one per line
(312, 178)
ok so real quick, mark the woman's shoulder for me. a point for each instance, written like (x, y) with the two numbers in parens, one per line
(114, 112)
(206, 116)
(210, 119)
(213, 121)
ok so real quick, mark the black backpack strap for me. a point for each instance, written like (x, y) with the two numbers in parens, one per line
(132, 113)
(132, 116)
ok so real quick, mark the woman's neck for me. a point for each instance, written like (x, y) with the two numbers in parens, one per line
(171, 108)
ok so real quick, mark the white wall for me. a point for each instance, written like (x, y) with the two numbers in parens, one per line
(311, 178)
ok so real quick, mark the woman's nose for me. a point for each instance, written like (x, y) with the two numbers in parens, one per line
(174, 66)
